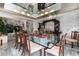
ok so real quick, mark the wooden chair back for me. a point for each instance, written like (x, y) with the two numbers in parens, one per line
(25, 40)
(21, 37)
(77, 38)
(16, 35)
(73, 35)
(17, 39)
(62, 42)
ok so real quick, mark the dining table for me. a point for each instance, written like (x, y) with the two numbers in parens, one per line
(44, 40)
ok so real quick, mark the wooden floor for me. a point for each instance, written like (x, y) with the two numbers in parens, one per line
(9, 50)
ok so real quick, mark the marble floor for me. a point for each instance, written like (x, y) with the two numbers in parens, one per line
(9, 50)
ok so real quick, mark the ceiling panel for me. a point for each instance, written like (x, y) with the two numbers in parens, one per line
(31, 9)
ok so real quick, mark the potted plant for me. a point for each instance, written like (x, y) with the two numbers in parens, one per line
(2, 27)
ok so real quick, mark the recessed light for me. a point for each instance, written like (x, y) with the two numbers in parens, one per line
(16, 10)
(51, 10)
(41, 14)
(22, 12)
(46, 12)
(28, 14)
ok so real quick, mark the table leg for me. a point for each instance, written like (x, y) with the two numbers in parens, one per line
(1, 43)
(40, 52)
(44, 51)
(72, 44)
(78, 44)
(65, 41)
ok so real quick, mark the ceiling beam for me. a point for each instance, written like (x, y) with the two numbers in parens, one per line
(13, 15)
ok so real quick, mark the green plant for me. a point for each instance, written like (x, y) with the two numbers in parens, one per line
(2, 26)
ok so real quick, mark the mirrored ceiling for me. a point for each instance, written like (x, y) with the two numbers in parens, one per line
(33, 9)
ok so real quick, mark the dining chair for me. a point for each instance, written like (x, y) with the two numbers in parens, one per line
(73, 35)
(17, 39)
(31, 46)
(77, 39)
(23, 43)
(72, 39)
(58, 49)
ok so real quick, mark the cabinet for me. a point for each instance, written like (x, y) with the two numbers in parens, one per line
(56, 26)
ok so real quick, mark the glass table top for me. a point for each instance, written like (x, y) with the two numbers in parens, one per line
(45, 41)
